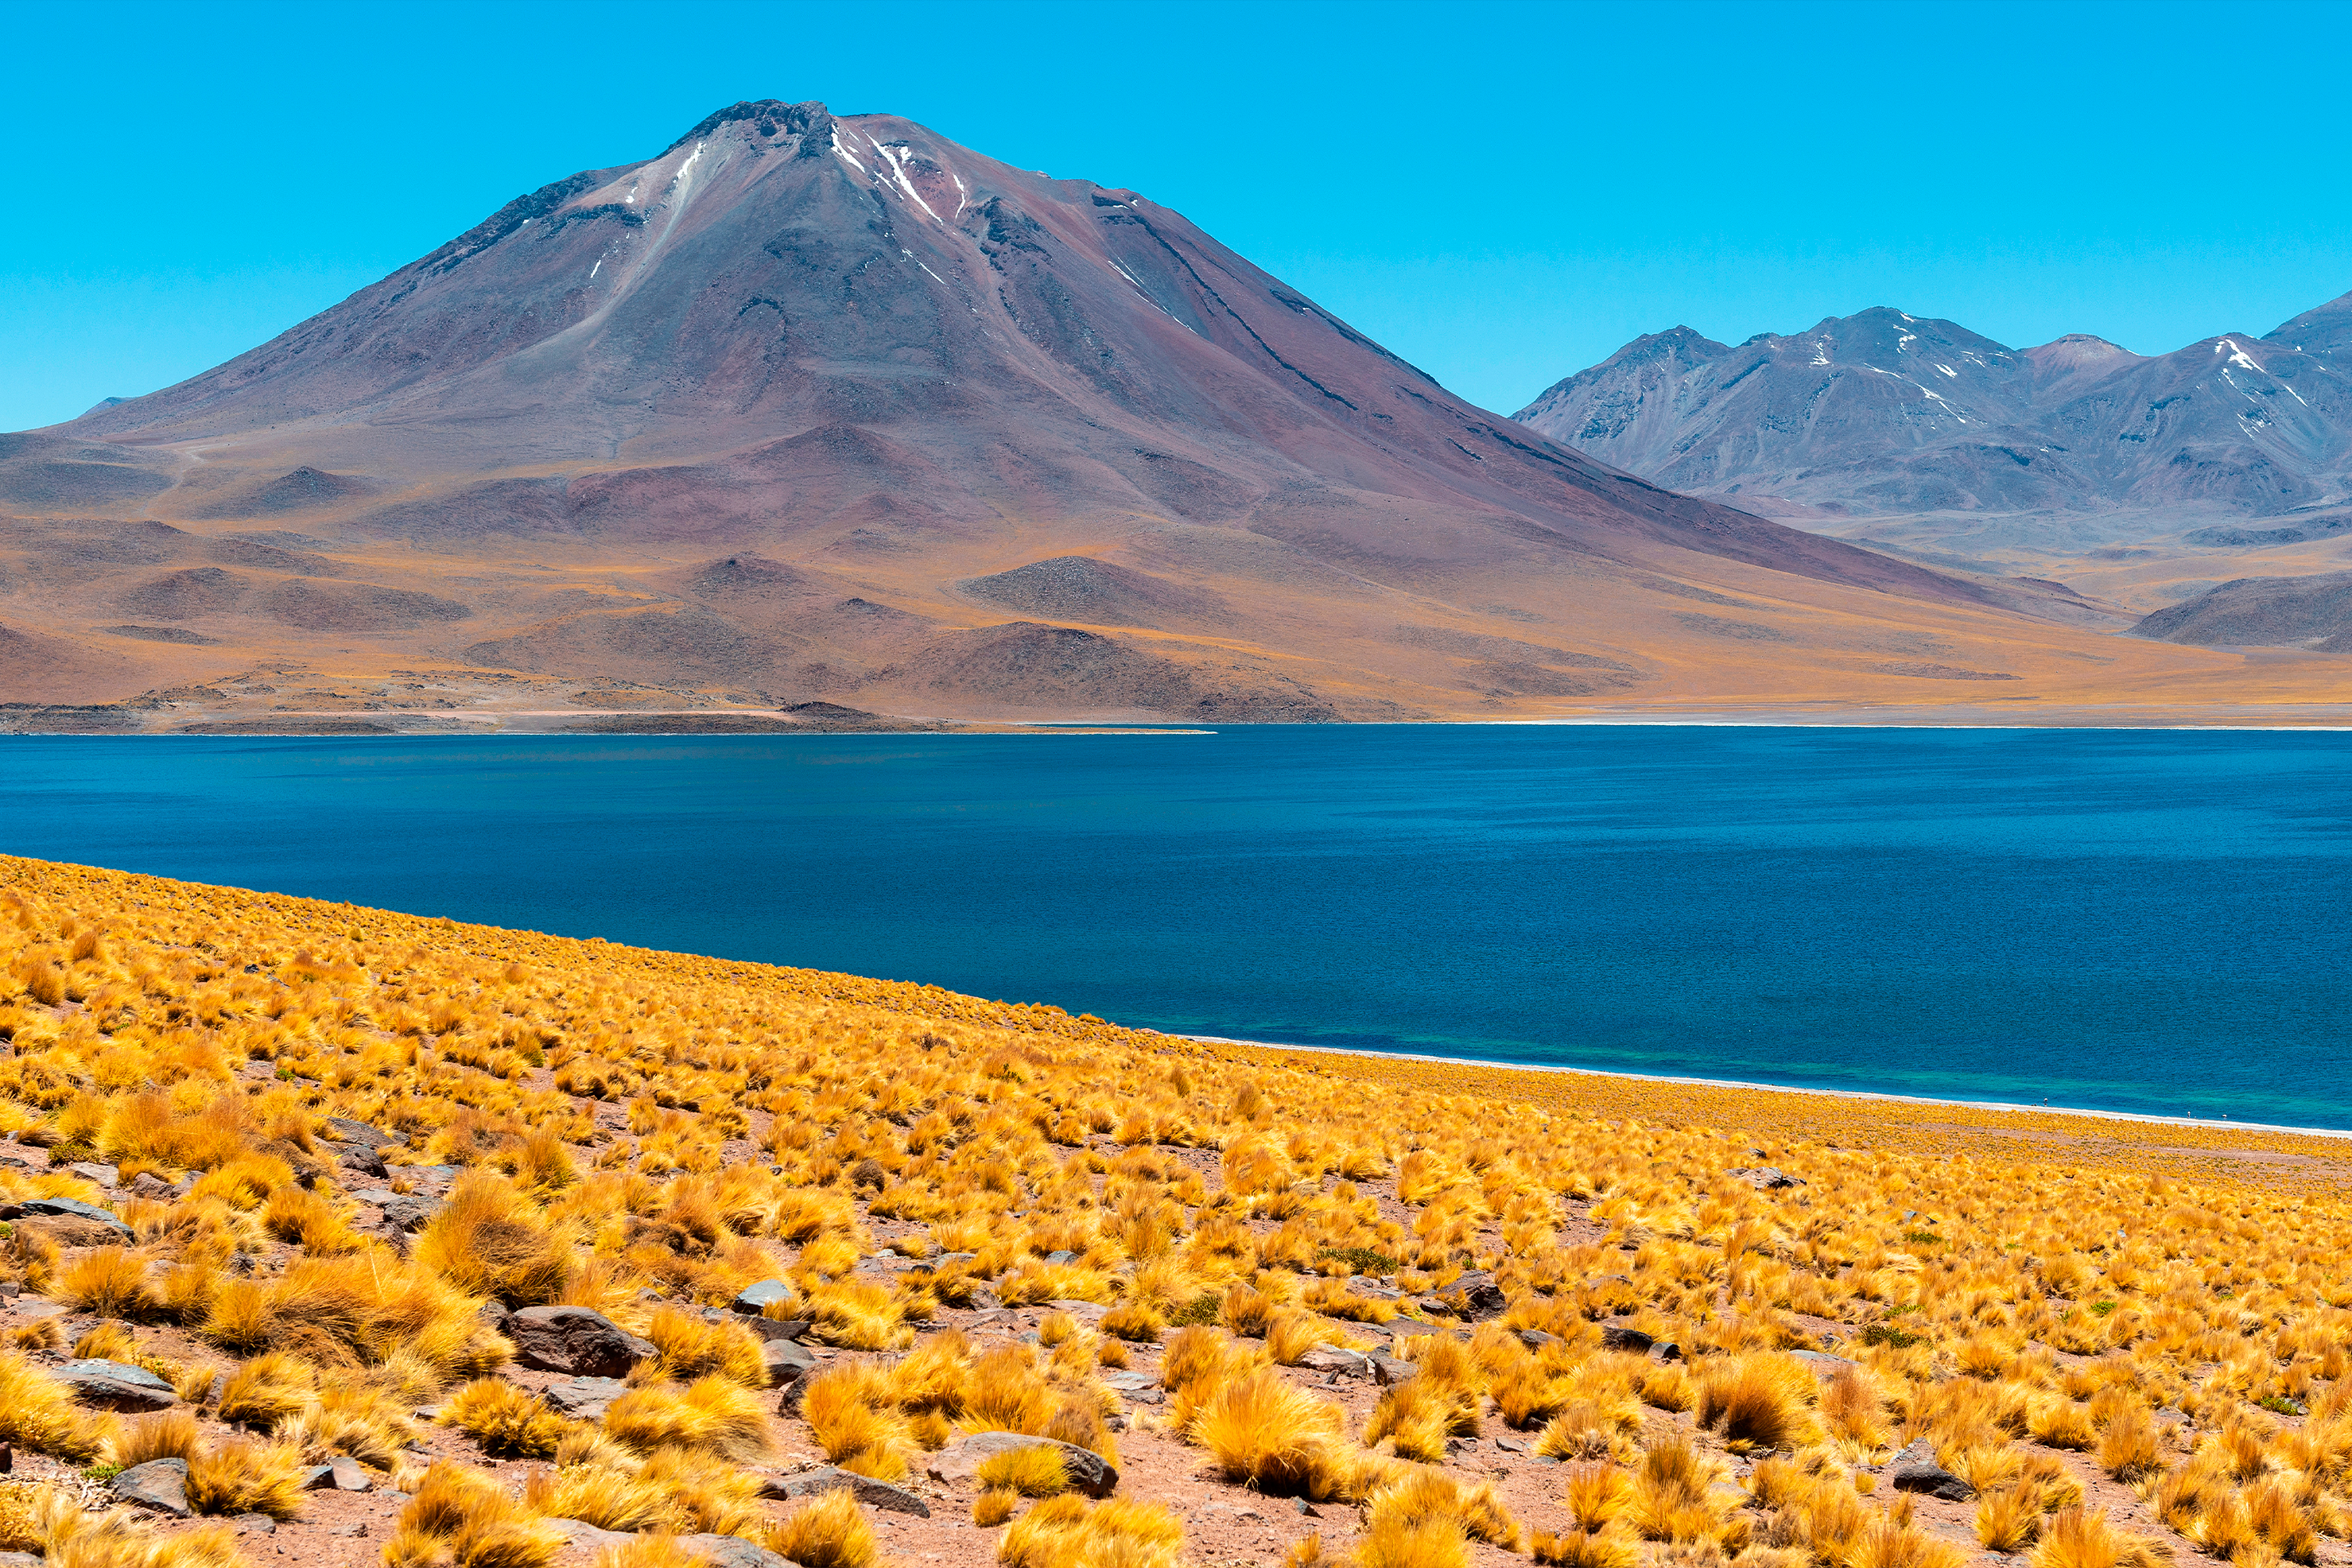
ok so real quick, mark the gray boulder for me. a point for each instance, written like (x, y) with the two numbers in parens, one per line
(349, 1474)
(365, 1160)
(865, 1488)
(788, 1363)
(1915, 1469)
(1331, 1359)
(732, 1552)
(318, 1477)
(1388, 1370)
(409, 1212)
(583, 1398)
(91, 1171)
(343, 1129)
(961, 1461)
(574, 1340)
(161, 1485)
(754, 1300)
(778, 1328)
(1476, 1297)
(71, 1208)
(116, 1385)
(1616, 1337)
(1765, 1178)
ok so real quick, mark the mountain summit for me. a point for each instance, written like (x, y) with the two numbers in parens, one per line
(827, 407)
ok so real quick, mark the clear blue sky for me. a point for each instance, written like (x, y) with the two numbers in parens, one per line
(1504, 194)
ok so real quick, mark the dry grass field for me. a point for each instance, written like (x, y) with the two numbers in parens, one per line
(346, 1236)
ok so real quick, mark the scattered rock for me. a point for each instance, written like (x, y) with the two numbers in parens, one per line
(580, 1533)
(754, 1300)
(1765, 1178)
(116, 1385)
(960, 1462)
(865, 1488)
(788, 1363)
(574, 1340)
(1510, 1444)
(148, 1184)
(91, 1171)
(349, 1474)
(1821, 1360)
(1665, 1350)
(409, 1213)
(20, 1560)
(318, 1477)
(1536, 1339)
(350, 1530)
(1331, 1359)
(778, 1328)
(1129, 1382)
(65, 1208)
(363, 1160)
(1616, 1338)
(732, 1551)
(1388, 1370)
(255, 1524)
(1373, 1289)
(1408, 1328)
(1085, 1312)
(1059, 1255)
(159, 1484)
(343, 1129)
(1476, 1297)
(1915, 1469)
(583, 1398)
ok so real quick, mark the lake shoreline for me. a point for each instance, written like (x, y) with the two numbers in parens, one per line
(2148, 1117)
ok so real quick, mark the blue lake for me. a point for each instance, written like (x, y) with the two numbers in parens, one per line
(2139, 921)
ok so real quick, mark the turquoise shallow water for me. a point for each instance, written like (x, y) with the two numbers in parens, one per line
(2145, 921)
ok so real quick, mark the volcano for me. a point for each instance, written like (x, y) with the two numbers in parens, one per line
(818, 407)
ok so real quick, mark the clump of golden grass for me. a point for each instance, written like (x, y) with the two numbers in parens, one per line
(37, 1413)
(509, 1422)
(1066, 1531)
(164, 1435)
(713, 1415)
(828, 1533)
(240, 1474)
(460, 1520)
(487, 1240)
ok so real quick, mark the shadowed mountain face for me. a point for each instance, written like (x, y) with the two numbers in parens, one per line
(1884, 413)
(824, 406)
(2313, 612)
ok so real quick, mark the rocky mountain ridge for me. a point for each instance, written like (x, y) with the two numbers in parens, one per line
(1886, 414)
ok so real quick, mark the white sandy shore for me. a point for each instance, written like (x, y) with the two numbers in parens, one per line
(2045, 1110)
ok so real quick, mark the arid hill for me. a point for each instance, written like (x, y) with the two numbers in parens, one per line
(822, 408)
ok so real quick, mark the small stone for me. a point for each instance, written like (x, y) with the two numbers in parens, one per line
(1510, 1444)
(1411, 1329)
(65, 1208)
(1331, 1359)
(1476, 1297)
(1388, 1370)
(1129, 1382)
(343, 1129)
(1615, 1337)
(777, 1328)
(148, 1184)
(409, 1213)
(349, 1474)
(1665, 1350)
(583, 1398)
(1821, 1361)
(865, 1488)
(117, 1386)
(574, 1340)
(159, 1484)
(1305, 1508)
(350, 1530)
(363, 1160)
(1764, 1178)
(318, 1477)
(754, 1300)
(732, 1551)
(1917, 1470)
(1061, 1255)
(255, 1524)
(580, 1533)
(787, 1362)
(91, 1171)
(1536, 1339)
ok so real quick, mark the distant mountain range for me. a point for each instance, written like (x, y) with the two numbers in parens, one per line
(811, 407)
(1884, 413)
